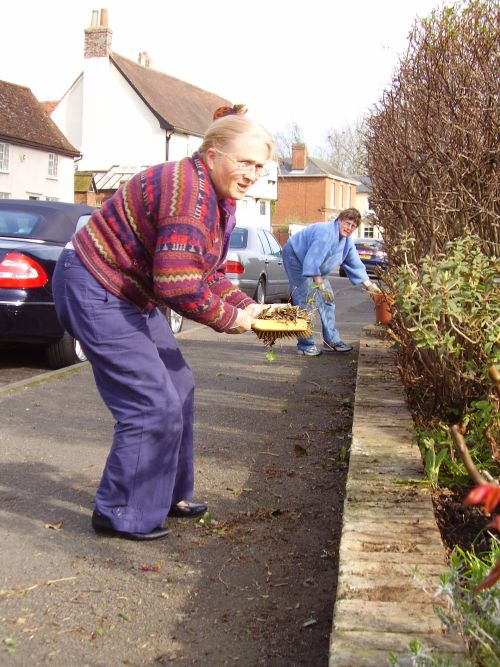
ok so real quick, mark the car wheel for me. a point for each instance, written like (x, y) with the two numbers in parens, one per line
(65, 352)
(174, 319)
(260, 292)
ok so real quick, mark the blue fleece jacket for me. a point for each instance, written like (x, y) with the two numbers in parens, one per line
(320, 249)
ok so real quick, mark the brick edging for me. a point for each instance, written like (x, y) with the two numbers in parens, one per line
(388, 529)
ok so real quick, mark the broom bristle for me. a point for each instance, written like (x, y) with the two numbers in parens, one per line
(282, 322)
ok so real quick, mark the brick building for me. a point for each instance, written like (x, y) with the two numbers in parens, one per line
(309, 190)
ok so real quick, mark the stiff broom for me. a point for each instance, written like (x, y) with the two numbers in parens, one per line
(282, 322)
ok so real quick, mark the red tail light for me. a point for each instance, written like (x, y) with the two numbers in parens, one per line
(17, 270)
(234, 267)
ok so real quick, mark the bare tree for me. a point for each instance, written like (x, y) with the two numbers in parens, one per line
(292, 134)
(344, 148)
(432, 143)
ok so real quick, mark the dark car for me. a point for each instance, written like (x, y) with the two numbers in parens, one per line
(371, 253)
(255, 265)
(33, 234)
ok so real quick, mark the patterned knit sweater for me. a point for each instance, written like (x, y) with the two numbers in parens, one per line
(162, 239)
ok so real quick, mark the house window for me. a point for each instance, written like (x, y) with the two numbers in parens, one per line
(348, 202)
(341, 196)
(4, 195)
(263, 207)
(53, 160)
(369, 232)
(4, 157)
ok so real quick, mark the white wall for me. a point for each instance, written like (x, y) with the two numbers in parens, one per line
(28, 175)
(362, 203)
(68, 113)
(117, 127)
(248, 210)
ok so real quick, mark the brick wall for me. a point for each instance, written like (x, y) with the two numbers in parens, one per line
(301, 200)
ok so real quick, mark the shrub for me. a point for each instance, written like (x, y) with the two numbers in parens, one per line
(447, 323)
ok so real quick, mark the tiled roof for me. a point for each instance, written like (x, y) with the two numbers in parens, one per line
(177, 105)
(115, 176)
(23, 121)
(49, 107)
(314, 167)
(84, 181)
(365, 184)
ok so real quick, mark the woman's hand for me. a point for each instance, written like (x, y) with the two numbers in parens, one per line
(326, 293)
(242, 323)
(372, 288)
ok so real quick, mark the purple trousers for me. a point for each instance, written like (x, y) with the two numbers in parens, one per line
(148, 387)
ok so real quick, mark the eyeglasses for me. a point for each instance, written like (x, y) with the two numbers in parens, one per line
(244, 166)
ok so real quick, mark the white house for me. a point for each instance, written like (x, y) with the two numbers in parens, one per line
(124, 116)
(368, 227)
(36, 159)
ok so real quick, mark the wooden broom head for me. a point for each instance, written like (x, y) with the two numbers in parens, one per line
(282, 322)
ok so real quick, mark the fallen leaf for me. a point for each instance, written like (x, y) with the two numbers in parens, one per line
(54, 526)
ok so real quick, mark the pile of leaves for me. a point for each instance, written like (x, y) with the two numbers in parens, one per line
(299, 323)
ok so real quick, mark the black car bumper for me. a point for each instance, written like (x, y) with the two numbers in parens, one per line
(29, 323)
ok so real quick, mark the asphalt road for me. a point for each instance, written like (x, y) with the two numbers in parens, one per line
(21, 362)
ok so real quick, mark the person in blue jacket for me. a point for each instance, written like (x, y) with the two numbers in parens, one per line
(309, 256)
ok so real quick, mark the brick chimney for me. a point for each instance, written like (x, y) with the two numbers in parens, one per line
(98, 37)
(299, 157)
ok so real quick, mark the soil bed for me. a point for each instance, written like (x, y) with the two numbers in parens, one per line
(459, 525)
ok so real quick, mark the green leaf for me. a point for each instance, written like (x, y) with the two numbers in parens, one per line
(204, 519)
(271, 354)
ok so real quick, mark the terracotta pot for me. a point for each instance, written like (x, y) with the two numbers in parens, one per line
(383, 303)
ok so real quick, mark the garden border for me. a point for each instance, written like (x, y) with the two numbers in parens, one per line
(389, 528)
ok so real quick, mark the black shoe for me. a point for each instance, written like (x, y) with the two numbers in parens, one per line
(188, 511)
(338, 347)
(101, 524)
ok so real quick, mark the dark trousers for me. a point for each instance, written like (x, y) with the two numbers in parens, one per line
(148, 387)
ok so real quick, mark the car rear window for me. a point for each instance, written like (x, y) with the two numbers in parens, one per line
(368, 245)
(16, 223)
(238, 238)
(41, 223)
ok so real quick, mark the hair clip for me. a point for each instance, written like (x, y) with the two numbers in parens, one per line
(235, 110)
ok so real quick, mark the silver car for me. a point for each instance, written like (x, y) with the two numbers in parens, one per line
(255, 265)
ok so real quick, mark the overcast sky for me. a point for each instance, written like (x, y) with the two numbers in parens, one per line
(319, 63)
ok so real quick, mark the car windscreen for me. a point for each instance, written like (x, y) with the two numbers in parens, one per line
(238, 238)
(40, 223)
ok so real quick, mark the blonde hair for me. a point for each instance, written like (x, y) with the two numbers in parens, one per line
(224, 131)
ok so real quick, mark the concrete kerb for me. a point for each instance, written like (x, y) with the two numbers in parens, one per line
(389, 529)
(41, 377)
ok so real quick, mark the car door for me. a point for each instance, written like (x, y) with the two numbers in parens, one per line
(277, 281)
